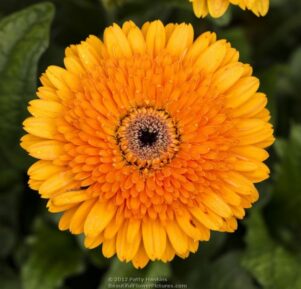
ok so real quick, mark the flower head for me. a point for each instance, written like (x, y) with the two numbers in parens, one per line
(148, 140)
(217, 8)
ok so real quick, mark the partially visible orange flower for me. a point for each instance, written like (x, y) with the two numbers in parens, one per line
(148, 140)
(217, 8)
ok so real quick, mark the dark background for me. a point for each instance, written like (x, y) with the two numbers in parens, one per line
(263, 253)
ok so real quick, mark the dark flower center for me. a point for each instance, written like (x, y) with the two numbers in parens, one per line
(147, 137)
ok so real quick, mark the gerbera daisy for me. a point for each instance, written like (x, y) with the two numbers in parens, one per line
(217, 8)
(148, 140)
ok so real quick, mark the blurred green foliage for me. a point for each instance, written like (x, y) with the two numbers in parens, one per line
(271, 264)
(264, 253)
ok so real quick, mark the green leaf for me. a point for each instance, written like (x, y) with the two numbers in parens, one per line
(212, 267)
(9, 210)
(295, 64)
(24, 37)
(196, 268)
(294, 73)
(54, 255)
(286, 199)
(125, 273)
(8, 278)
(219, 274)
(271, 264)
(228, 270)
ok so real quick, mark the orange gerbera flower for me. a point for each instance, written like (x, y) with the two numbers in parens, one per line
(148, 140)
(217, 8)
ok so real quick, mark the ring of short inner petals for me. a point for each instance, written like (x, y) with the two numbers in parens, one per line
(148, 138)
